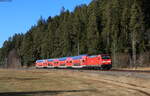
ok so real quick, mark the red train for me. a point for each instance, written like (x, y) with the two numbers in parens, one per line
(102, 61)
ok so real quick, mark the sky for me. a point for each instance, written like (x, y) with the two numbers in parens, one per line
(18, 16)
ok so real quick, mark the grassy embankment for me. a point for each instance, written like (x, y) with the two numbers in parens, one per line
(68, 83)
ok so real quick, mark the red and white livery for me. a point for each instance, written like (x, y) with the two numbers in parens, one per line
(101, 61)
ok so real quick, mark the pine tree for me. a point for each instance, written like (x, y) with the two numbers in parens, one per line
(106, 23)
(115, 29)
(92, 35)
(76, 31)
(27, 50)
(136, 28)
(125, 21)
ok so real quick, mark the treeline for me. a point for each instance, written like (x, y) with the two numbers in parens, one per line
(117, 27)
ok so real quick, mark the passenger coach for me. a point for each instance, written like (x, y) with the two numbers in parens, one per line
(102, 61)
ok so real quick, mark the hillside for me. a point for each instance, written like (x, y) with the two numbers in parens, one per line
(117, 27)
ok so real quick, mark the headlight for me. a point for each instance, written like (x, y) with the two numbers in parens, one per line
(103, 61)
(109, 61)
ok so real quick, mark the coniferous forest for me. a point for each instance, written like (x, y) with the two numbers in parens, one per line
(120, 28)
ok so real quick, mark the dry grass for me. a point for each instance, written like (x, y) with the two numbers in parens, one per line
(69, 83)
(138, 68)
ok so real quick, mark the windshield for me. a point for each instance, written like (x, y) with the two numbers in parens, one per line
(105, 57)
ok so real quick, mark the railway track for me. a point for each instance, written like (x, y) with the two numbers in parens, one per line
(137, 71)
(94, 70)
(98, 70)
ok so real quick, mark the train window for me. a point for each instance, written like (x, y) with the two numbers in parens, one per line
(105, 57)
(56, 62)
(83, 60)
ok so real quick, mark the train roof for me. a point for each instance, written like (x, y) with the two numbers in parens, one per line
(50, 60)
(78, 57)
(93, 56)
(62, 59)
(105, 54)
(38, 61)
